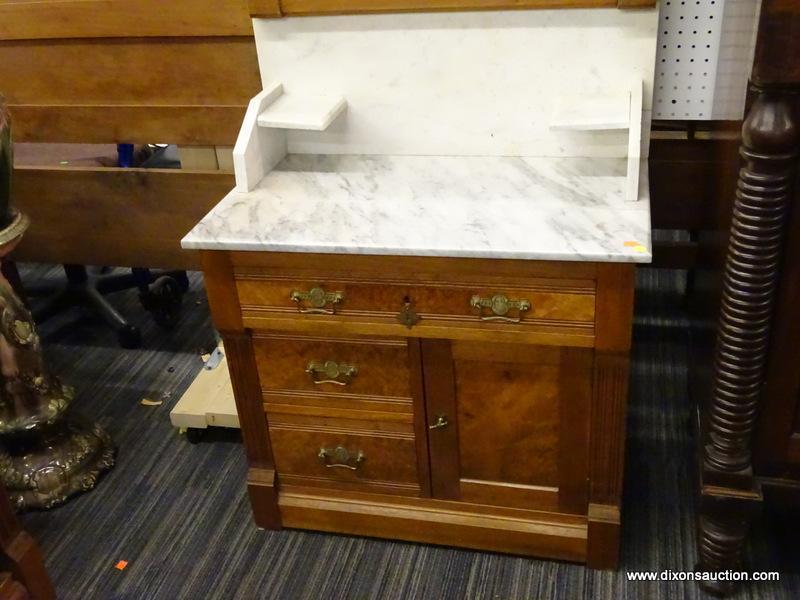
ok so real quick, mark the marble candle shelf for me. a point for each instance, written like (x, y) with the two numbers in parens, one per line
(623, 111)
(296, 111)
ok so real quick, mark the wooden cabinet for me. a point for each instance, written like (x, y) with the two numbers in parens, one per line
(477, 403)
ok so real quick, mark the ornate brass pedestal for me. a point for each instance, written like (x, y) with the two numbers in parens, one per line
(45, 455)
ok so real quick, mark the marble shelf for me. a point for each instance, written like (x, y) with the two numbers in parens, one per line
(594, 114)
(292, 111)
(571, 209)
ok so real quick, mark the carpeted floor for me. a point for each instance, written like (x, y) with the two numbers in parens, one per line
(178, 512)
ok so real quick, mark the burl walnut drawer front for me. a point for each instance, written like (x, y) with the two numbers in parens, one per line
(340, 411)
(339, 366)
(346, 459)
(313, 379)
(564, 311)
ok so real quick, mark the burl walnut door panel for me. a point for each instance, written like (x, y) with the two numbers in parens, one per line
(517, 429)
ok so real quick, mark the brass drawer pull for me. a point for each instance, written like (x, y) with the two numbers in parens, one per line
(340, 458)
(500, 305)
(316, 300)
(331, 372)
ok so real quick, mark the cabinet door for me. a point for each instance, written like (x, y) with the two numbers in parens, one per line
(508, 424)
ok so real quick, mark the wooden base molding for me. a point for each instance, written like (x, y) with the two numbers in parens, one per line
(603, 536)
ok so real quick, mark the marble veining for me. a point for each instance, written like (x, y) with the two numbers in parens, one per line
(492, 207)
(462, 83)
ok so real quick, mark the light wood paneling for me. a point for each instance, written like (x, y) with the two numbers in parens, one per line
(35, 19)
(114, 71)
(134, 90)
(153, 72)
(113, 216)
(264, 8)
(318, 7)
(204, 125)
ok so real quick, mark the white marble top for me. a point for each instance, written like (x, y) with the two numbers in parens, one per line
(489, 207)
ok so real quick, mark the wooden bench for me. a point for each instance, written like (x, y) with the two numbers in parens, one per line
(99, 72)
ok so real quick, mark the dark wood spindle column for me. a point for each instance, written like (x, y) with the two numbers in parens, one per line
(730, 494)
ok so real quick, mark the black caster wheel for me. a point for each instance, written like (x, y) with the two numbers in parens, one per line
(129, 337)
(195, 435)
(163, 300)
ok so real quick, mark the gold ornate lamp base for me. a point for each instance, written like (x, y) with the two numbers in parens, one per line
(51, 466)
(46, 455)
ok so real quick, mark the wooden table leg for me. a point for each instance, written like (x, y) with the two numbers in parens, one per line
(21, 554)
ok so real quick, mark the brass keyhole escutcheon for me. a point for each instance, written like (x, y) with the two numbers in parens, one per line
(408, 316)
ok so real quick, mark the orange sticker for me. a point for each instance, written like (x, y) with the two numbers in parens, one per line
(121, 565)
(630, 244)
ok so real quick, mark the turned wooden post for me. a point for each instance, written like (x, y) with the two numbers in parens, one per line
(730, 494)
(769, 147)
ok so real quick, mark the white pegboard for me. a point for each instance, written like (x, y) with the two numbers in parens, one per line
(705, 50)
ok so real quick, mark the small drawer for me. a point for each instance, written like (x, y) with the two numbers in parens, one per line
(334, 366)
(425, 309)
(336, 457)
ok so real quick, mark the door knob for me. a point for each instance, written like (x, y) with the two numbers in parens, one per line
(441, 421)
